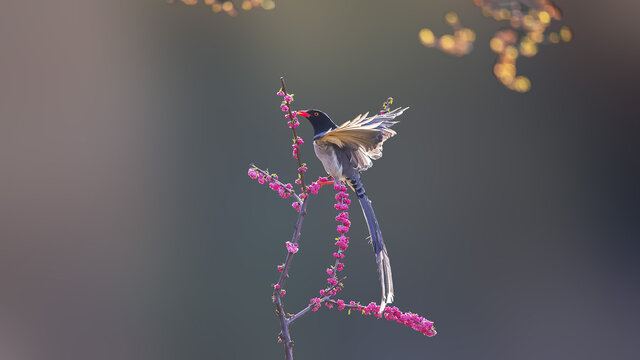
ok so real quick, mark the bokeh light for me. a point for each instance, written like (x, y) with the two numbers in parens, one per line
(459, 43)
(229, 7)
(528, 21)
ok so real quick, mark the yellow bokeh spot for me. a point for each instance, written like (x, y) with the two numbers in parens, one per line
(544, 17)
(447, 42)
(268, 5)
(528, 21)
(511, 53)
(468, 35)
(554, 37)
(209, 2)
(565, 34)
(528, 48)
(190, 2)
(505, 72)
(216, 8)
(536, 36)
(496, 45)
(503, 14)
(451, 17)
(522, 84)
(246, 5)
(427, 37)
(227, 6)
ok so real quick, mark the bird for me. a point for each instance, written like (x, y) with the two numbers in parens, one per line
(347, 150)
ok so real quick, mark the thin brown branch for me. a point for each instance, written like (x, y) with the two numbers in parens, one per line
(295, 138)
(295, 317)
(285, 335)
(265, 173)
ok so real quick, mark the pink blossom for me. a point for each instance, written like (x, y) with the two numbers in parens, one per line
(291, 247)
(330, 271)
(253, 174)
(341, 207)
(302, 169)
(299, 140)
(314, 188)
(341, 196)
(332, 281)
(340, 267)
(284, 193)
(276, 287)
(342, 243)
(283, 292)
(296, 205)
(274, 186)
(342, 229)
(316, 302)
(303, 196)
(288, 98)
(284, 107)
(341, 304)
(343, 216)
(294, 124)
(280, 93)
(280, 268)
(338, 255)
(328, 304)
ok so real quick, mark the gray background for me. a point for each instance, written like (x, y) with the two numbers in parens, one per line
(130, 230)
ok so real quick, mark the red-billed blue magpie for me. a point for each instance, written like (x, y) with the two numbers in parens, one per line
(347, 150)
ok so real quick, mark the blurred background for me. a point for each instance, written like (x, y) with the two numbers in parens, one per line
(130, 230)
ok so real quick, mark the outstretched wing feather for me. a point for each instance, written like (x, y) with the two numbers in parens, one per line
(363, 137)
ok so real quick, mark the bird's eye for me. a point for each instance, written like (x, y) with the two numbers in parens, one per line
(315, 114)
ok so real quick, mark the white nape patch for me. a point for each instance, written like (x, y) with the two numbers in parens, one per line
(327, 156)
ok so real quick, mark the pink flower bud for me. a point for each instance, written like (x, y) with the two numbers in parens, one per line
(253, 174)
(291, 247)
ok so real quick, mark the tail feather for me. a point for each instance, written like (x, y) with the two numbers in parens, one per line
(382, 257)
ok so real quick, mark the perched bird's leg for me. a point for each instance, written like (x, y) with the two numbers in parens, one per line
(328, 182)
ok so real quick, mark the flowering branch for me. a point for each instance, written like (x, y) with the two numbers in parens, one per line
(334, 284)
(264, 177)
(293, 124)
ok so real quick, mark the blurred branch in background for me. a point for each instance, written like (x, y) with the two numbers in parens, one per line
(528, 20)
(229, 6)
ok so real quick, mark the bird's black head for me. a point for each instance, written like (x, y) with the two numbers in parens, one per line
(320, 121)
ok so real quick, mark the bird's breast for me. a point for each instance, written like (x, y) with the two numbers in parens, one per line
(327, 155)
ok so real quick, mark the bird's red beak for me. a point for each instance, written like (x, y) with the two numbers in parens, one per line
(303, 113)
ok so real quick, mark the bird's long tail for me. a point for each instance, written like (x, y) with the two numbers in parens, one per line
(382, 258)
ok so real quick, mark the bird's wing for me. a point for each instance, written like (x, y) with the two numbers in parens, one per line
(363, 136)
